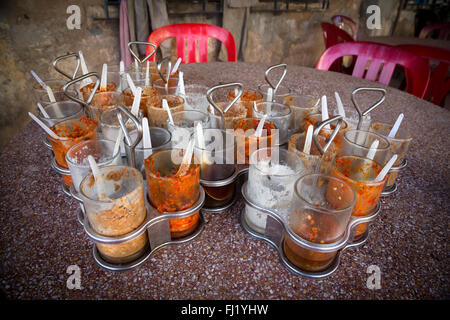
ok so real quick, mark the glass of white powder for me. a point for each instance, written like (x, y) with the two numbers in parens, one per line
(271, 179)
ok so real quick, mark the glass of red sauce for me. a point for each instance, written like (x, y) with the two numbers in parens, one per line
(169, 192)
(319, 213)
(71, 132)
(247, 142)
(360, 174)
(248, 97)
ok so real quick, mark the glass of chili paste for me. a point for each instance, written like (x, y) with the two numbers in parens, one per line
(60, 111)
(101, 150)
(169, 192)
(157, 116)
(103, 101)
(119, 211)
(247, 142)
(360, 174)
(148, 92)
(71, 132)
(87, 89)
(59, 97)
(361, 143)
(282, 93)
(301, 106)
(248, 97)
(160, 85)
(279, 114)
(313, 162)
(399, 146)
(312, 119)
(319, 213)
(54, 84)
(160, 138)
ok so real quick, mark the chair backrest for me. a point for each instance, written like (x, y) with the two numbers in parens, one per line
(342, 22)
(443, 27)
(193, 33)
(417, 70)
(439, 84)
(333, 35)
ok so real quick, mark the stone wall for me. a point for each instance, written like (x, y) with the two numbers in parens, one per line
(32, 34)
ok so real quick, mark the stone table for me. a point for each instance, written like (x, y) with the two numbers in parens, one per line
(40, 236)
(396, 41)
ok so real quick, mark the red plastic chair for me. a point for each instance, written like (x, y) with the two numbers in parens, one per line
(342, 22)
(193, 32)
(417, 70)
(443, 27)
(439, 84)
(332, 35)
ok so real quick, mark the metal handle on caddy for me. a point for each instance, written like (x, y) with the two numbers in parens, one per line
(69, 55)
(372, 107)
(148, 222)
(125, 133)
(165, 78)
(224, 85)
(136, 56)
(266, 76)
(72, 82)
(319, 127)
(330, 247)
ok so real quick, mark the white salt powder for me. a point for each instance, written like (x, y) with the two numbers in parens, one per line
(270, 185)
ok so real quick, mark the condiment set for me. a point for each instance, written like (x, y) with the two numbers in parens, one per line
(143, 166)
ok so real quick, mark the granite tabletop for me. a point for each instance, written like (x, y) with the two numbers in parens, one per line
(40, 236)
(396, 41)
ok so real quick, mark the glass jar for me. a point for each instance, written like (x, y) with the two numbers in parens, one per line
(169, 192)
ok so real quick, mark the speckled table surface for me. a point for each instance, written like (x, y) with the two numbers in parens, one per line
(40, 236)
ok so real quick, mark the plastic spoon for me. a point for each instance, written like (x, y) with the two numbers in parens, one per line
(260, 126)
(396, 126)
(44, 113)
(99, 183)
(136, 67)
(44, 126)
(50, 94)
(180, 91)
(325, 115)
(147, 73)
(269, 94)
(84, 69)
(166, 107)
(372, 150)
(131, 84)
(340, 106)
(43, 85)
(175, 67)
(118, 141)
(386, 169)
(136, 102)
(187, 158)
(104, 79)
(308, 140)
(201, 142)
(121, 67)
(147, 141)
